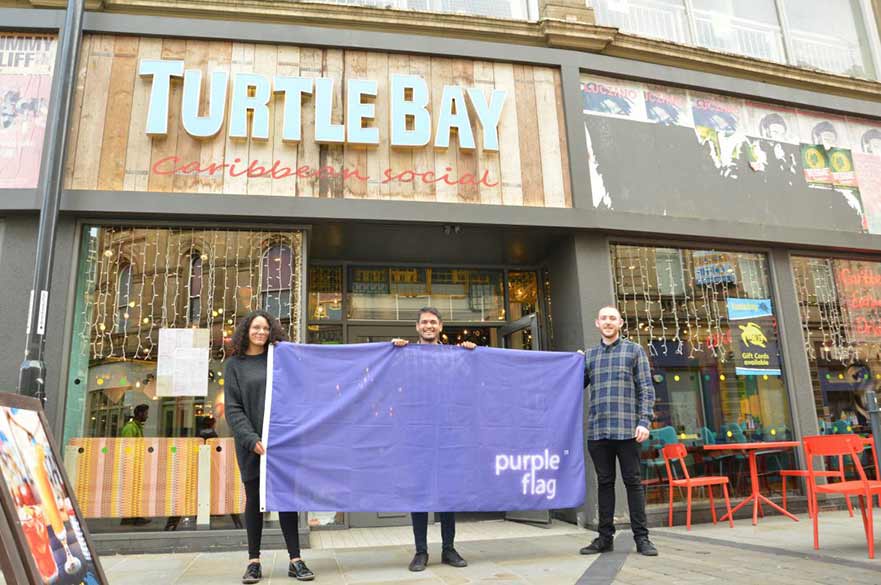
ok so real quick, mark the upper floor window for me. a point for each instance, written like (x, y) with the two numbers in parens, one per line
(829, 35)
(511, 9)
(123, 297)
(194, 310)
(276, 279)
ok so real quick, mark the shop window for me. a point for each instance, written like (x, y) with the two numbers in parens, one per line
(324, 334)
(276, 281)
(708, 325)
(172, 291)
(123, 298)
(325, 293)
(522, 294)
(840, 308)
(194, 303)
(396, 294)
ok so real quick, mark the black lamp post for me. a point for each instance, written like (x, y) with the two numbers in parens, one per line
(32, 374)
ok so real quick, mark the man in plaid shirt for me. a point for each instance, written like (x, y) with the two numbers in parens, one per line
(620, 412)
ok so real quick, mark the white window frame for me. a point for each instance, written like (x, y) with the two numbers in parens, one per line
(866, 15)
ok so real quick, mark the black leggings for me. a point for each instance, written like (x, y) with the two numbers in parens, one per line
(254, 523)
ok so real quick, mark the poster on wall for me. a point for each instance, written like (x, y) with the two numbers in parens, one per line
(824, 129)
(868, 173)
(772, 133)
(615, 98)
(815, 161)
(865, 135)
(182, 366)
(866, 141)
(770, 122)
(859, 291)
(752, 326)
(719, 123)
(667, 106)
(40, 509)
(26, 63)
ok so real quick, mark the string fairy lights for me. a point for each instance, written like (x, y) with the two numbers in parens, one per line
(134, 274)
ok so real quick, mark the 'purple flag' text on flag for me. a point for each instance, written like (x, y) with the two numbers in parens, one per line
(372, 427)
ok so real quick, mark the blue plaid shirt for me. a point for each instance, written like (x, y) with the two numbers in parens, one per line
(622, 395)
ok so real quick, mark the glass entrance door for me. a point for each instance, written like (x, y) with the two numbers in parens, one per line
(373, 334)
(524, 334)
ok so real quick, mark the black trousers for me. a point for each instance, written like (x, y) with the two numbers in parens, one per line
(420, 529)
(254, 523)
(604, 453)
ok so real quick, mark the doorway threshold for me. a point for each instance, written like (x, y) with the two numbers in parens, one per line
(465, 532)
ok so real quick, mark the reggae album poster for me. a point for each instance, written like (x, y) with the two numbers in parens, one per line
(815, 162)
(613, 98)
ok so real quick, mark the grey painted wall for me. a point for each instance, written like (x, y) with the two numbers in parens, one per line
(581, 283)
(664, 171)
(17, 253)
(792, 348)
(568, 335)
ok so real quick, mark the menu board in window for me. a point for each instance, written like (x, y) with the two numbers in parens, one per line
(859, 291)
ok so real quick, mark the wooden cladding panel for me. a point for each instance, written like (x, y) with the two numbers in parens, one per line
(109, 149)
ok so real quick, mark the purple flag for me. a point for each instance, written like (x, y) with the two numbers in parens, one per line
(372, 427)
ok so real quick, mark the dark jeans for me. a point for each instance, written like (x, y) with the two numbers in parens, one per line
(420, 529)
(604, 453)
(254, 523)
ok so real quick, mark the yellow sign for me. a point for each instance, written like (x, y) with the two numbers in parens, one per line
(752, 334)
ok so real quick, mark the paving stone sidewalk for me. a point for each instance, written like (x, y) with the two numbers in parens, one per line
(778, 550)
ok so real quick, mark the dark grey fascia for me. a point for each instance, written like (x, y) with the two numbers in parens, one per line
(208, 207)
(734, 86)
(113, 23)
(15, 200)
(29, 18)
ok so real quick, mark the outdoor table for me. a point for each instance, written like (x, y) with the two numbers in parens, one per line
(751, 450)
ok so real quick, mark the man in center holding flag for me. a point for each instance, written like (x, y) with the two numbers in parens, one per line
(422, 426)
(429, 326)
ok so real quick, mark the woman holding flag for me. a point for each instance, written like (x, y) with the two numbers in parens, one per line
(245, 376)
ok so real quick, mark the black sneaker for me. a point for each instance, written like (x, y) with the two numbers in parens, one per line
(419, 561)
(299, 571)
(452, 558)
(645, 547)
(599, 545)
(253, 573)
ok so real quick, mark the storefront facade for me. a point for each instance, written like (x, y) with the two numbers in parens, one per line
(343, 178)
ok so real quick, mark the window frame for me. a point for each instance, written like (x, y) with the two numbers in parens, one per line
(265, 290)
(122, 309)
(866, 14)
(195, 256)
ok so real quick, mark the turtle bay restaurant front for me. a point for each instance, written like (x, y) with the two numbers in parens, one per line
(515, 188)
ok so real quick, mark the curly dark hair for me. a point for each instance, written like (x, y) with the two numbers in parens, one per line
(240, 339)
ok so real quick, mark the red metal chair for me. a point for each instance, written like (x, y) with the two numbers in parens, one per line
(831, 474)
(678, 451)
(863, 488)
(869, 442)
